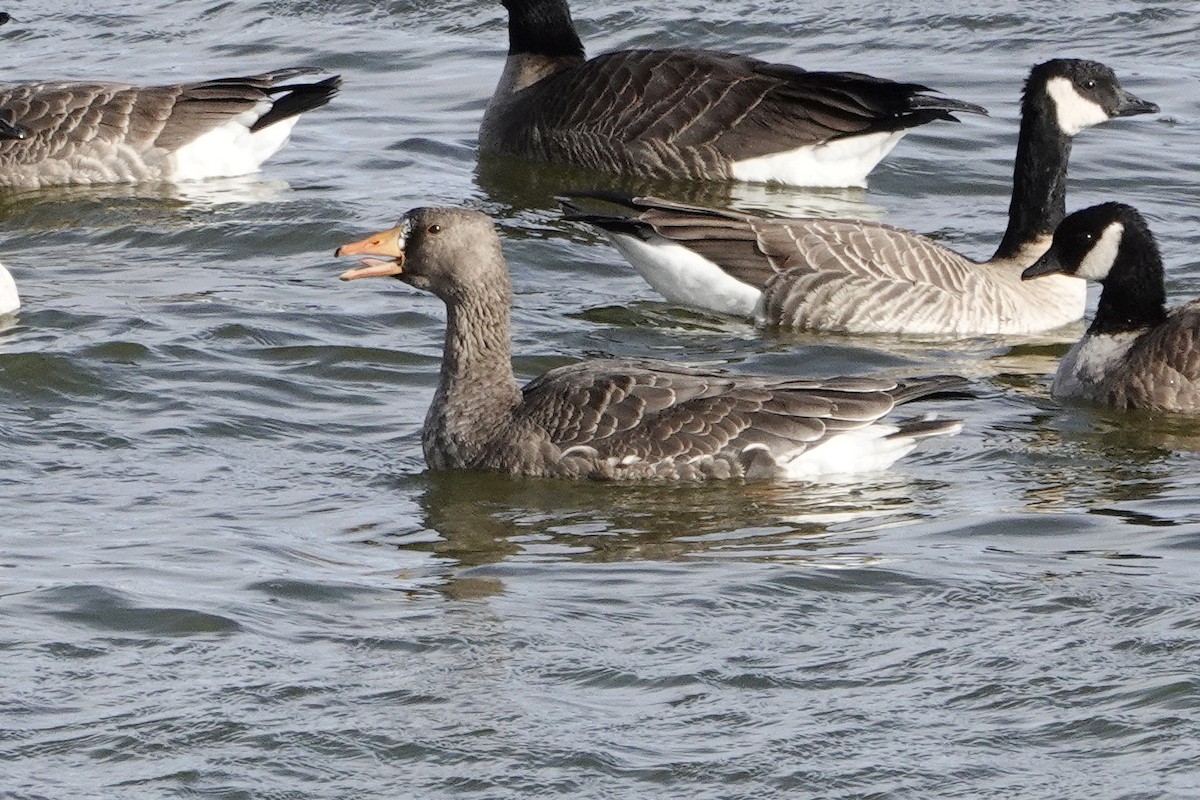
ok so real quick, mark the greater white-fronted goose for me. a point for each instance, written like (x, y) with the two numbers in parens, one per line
(620, 419)
(1135, 354)
(866, 277)
(66, 132)
(10, 301)
(697, 114)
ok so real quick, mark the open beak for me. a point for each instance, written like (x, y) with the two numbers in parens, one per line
(389, 243)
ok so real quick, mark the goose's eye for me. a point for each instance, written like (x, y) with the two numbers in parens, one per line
(434, 228)
(1089, 84)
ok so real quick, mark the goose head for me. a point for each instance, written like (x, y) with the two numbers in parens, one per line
(1110, 244)
(1094, 244)
(1083, 93)
(449, 252)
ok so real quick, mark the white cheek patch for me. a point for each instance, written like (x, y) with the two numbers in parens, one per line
(1099, 260)
(1075, 112)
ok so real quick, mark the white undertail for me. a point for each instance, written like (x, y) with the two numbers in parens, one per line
(686, 278)
(840, 162)
(231, 148)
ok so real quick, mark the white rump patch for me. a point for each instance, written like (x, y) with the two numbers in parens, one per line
(866, 449)
(231, 149)
(10, 301)
(685, 278)
(841, 162)
(1075, 112)
(1100, 259)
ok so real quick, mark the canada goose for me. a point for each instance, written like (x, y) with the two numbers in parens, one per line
(1135, 353)
(697, 114)
(867, 277)
(620, 419)
(60, 133)
(10, 301)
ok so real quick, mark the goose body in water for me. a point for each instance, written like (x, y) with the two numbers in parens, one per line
(696, 114)
(866, 277)
(1136, 354)
(10, 301)
(72, 132)
(615, 419)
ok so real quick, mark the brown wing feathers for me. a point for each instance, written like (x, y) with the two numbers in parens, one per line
(624, 409)
(57, 116)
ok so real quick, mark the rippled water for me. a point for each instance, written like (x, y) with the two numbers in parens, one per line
(226, 573)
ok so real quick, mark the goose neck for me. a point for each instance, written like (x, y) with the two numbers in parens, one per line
(1133, 295)
(477, 390)
(1039, 195)
(542, 27)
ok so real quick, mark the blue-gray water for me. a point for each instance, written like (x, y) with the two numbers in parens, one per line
(227, 575)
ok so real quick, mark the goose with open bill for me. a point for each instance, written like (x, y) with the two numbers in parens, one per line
(619, 419)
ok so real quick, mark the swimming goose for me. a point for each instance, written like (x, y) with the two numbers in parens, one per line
(697, 114)
(10, 301)
(84, 133)
(1135, 353)
(867, 277)
(618, 419)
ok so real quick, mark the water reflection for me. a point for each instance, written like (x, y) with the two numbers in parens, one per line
(158, 197)
(9, 320)
(485, 519)
(514, 185)
(1103, 460)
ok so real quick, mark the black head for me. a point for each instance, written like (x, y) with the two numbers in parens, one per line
(542, 27)
(1088, 243)
(450, 252)
(1112, 245)
(1081, 93)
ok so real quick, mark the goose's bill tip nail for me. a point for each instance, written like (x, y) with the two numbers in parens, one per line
(1131, 105)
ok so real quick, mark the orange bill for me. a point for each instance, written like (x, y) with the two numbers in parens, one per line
(389, 243)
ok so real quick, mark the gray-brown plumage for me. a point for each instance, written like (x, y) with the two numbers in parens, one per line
(1135, 354)
(682, 113)
(620, 419)
(86, 133)
(866, 277)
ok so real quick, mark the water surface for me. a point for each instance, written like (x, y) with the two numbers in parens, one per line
(227, 573)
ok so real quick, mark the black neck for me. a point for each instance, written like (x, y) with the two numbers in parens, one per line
(542, 27)
(1039, 195)
(1133, 296)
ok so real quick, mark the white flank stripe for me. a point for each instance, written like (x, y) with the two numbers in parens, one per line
(842, 162)
(685, 278)
(231, 149)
